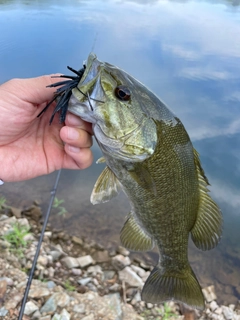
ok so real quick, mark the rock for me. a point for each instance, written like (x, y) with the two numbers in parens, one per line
(30, 307)
(76, 272)
(70, 262)
(94, 270)
(51, 284)
(84, 281)
(109, 274)
(115, 287)
(12, 304)
(129, 313)
(64, 315)
(89, 317)
(209, 293)
(55, 254)
(3, 312)
(16, 212)
(45, 318)
(101, 256)
(79, 308)
(228, 313)
(60, 299)
(130, 277)
(85, 261)
(38, 292)
(77, 240)
(3, 288)
(123, 251)
(42, 260)
(119, 262)
(140, 271)
(36, 315)
(213, 306)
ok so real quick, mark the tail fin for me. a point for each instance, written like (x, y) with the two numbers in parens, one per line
(182, 287)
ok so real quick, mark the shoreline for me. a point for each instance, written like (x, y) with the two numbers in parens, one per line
(80, 279)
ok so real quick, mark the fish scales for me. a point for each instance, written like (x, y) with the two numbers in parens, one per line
(149, 156)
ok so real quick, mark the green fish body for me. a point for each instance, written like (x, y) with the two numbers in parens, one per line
(149, 156)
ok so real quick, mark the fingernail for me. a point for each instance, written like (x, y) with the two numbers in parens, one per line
(73, 134)
(73, 149)
(74, 120)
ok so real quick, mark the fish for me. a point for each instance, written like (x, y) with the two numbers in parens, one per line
(149, 155)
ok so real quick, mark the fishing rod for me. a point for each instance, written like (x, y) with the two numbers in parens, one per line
(53, 194)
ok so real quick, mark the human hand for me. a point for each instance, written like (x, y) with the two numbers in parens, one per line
(29, 146)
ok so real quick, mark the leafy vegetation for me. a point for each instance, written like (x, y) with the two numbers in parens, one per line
(163, 314)
(2, 202)
(68, 286)
(57, 204)
(16, 238)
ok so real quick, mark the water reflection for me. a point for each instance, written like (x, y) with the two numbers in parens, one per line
(185, 51)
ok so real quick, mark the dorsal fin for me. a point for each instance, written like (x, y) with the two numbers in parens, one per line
(207, 230)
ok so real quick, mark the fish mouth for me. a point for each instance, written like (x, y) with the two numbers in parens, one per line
(63, 93)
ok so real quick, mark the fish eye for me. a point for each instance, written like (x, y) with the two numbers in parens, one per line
(123, 93)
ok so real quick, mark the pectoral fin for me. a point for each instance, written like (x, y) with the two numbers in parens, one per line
(106, 187)
(133, 236)
(207, 230)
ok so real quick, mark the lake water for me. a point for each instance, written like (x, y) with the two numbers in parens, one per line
(188, 53)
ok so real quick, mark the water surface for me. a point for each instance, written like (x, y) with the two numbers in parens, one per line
(188, 52)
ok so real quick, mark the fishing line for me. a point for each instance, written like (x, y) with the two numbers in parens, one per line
(53, 194)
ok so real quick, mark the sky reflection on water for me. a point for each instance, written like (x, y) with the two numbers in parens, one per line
(187, 52)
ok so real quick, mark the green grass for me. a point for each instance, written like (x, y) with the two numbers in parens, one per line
(165, 314)
(16, 238)
(68, 286)
(2, 202)
(57, 205)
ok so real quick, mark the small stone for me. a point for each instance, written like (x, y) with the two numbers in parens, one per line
(79, 308)
(85, 261)
(119, 262)
(42, 260)
(123, 251)
(89, 317)
(70, 262)
(136, 298)
(38, 292)
(149, 305)
(209, 293)
(218, 311)
(3, 312)
(60, 299)
(84, 281)
(108, 274)
(140, 271)
(76, 272)
(55, 254)
(101, 256)
(77, 240)
(213, 305)
(46, 318)
(3, 288)
(115, 287)
(36, 315)
(94, 270)
(30, 307)
(64, 315)
(12, 304)
(51, 284)
(227, 312)
(130, 277)
(16, 212)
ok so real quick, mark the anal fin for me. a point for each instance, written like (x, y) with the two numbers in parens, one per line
(133, 236)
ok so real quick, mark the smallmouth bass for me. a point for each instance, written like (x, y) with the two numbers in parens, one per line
(148, 155)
